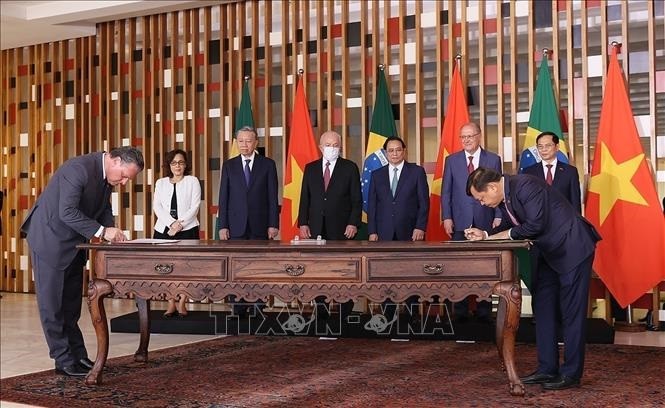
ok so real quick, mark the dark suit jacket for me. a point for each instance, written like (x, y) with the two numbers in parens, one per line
(254, 205)
(336, 208)
(397, 217)
(75, 203)
(566, 181)
(562, 235)
(455, 204)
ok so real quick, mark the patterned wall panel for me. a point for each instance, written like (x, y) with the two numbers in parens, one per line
(174, 80)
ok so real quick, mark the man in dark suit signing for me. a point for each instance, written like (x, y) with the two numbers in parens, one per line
(248, 207)
(460, 211)
(330, 200)
(559, 175)
(74, 207)
(567, 243)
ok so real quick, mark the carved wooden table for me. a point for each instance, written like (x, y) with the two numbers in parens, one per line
(340, 271)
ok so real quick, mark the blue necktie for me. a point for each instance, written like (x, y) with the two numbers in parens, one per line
(393, 184)
(246, 171)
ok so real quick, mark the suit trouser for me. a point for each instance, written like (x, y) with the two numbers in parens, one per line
(567, 294)
(59, 295)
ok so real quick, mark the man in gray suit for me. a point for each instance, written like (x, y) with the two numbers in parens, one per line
(460, 211)
(74, 207)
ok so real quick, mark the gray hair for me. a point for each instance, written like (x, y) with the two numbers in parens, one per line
(248, 129)
(129, 155)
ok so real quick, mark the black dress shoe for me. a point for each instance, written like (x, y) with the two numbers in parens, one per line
(561, 383)
(538, 378)
(73, 370)
(86, 363)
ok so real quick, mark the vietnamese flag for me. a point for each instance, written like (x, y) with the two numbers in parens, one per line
(457, 115)
(302, 150)
(622, 202)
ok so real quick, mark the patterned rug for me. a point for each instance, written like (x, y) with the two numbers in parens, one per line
(249, 371)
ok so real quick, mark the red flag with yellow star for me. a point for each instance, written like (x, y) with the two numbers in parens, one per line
(302, 150)
(622, 201)
(457, 115)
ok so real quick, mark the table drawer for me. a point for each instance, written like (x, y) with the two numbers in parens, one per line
(166, 267)
(435, 267)
(296, 269)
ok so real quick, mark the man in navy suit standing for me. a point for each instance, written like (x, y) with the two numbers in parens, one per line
(567, 243)
(398, 202)
(248, 206)
(74, 207)
(460, 211)
(398, 205)
(559, 175)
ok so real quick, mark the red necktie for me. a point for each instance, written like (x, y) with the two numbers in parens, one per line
(326, 177)
(548, 178)
(470, 167)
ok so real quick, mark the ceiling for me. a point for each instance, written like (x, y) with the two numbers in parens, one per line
(25, 23)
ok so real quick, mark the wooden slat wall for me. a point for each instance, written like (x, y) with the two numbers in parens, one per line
(121, 99)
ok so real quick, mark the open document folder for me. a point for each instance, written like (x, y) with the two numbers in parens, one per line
(149, 241)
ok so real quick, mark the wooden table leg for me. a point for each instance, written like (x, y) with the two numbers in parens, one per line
(141, 354)
(98, 289)
(508, 320)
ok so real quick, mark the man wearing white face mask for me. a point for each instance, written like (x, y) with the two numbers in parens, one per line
(330, 198)
(330, 201)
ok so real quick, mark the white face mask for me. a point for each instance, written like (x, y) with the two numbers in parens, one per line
(330, 153)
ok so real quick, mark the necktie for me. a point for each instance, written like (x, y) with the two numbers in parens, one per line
(393, 184)
(246, 171)
(326, 177)
(548, 178)
(470, 167)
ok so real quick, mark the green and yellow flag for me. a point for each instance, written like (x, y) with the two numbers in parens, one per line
(544, 117)
(244, 116)
(382, 127)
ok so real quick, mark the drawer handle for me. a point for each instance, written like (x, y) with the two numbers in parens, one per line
(164, 269)
(433, 269)
(294, 270)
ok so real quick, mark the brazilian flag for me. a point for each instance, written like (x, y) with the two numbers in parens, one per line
(381, 127)
(544, 117)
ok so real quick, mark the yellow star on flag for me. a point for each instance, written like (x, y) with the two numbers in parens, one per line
(614, 182)
(292, 190)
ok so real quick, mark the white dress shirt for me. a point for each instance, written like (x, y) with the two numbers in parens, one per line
(391, 172)
(476, 158)
(553, 163)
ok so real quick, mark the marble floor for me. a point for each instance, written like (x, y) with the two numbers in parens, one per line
(23, 349)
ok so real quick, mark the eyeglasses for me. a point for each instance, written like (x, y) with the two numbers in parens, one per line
(467, 137)
(545, 146)
(395, 150)
(178, 163)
